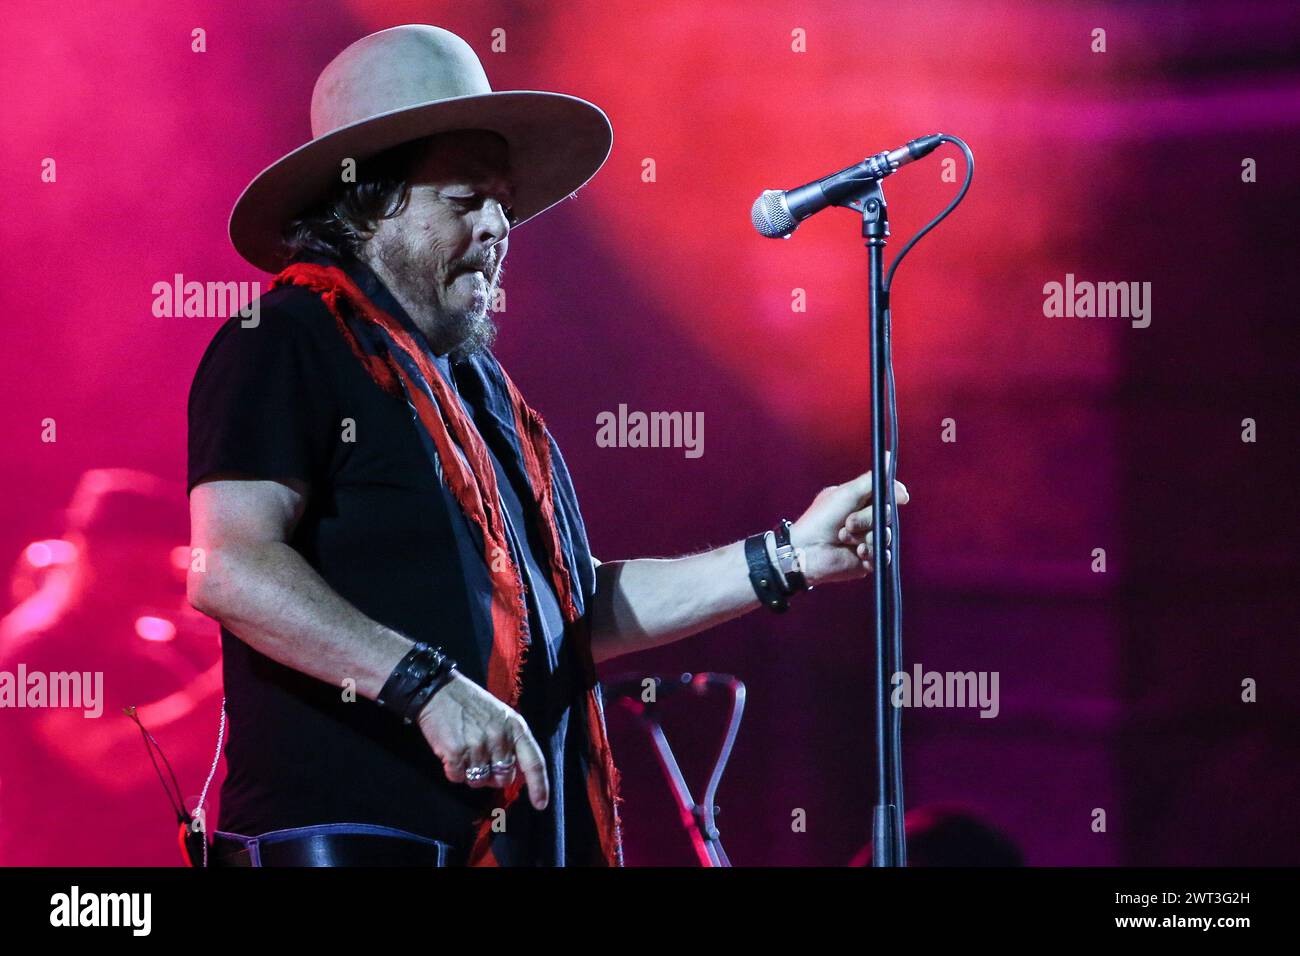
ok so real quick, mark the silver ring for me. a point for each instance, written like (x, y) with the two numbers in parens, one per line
(503, 767)
(477, 773)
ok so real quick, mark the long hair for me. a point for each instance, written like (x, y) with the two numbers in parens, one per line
(341, 223)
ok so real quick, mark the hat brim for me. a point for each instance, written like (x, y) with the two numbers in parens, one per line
(557, 144)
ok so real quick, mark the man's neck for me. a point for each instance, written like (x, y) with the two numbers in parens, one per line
(426, 317)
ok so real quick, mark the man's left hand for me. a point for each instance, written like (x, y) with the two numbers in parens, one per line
(837, 532)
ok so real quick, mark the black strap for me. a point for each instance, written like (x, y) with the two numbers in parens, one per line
(767, 585)
(420, 674)
(443, 671)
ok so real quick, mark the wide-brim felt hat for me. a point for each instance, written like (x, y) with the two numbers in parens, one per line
(403, 84)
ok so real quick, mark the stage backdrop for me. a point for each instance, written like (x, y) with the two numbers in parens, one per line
(1102, 506)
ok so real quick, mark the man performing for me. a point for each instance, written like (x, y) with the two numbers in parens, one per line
(391, 542)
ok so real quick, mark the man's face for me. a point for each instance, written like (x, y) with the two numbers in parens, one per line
(445, 249)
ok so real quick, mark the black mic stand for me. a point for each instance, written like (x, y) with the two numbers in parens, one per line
(858, 188)
(888, 843)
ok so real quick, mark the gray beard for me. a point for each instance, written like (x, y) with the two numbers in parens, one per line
(473, 334)
(459, 336)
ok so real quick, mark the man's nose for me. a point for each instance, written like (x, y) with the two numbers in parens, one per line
(492, 225)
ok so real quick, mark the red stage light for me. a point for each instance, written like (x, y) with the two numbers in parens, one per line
(42, 554)
(155, 628)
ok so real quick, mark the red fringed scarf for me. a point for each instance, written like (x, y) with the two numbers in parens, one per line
(471, 486)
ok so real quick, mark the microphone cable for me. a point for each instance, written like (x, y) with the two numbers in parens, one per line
(889, 505)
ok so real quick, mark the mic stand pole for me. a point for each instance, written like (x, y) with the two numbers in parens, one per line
(887, 843)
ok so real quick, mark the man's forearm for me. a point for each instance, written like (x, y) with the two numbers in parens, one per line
(269, 596)
(648, 602)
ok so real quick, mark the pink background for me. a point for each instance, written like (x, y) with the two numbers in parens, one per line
(1119, 691)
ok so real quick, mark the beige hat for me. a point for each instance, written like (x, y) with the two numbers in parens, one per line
(405, 83)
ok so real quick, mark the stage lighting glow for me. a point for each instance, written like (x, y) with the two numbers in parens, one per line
(42, 554)
(155, 628)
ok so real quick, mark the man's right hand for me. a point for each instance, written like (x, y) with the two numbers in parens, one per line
(468, 727)
(257, 585)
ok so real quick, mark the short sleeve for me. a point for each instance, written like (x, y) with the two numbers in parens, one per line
(261, 404)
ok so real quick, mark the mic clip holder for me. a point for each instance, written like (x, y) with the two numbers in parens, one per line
(870, 203)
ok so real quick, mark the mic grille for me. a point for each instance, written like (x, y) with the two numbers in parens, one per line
(770, 216)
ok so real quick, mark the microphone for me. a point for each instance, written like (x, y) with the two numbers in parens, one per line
(776, 214)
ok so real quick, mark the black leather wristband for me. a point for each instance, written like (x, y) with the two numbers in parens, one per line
(763, 576)
(417, 677)
(444, 670)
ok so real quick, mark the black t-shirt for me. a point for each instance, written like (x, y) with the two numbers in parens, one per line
(288, 399)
